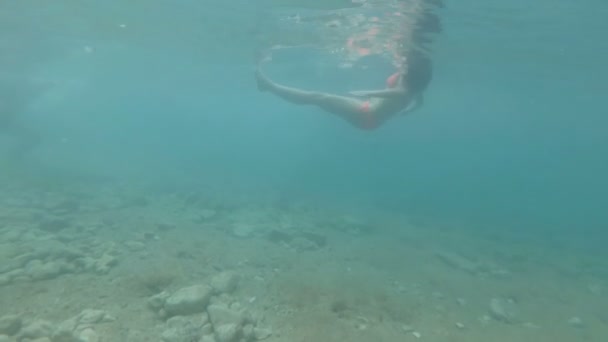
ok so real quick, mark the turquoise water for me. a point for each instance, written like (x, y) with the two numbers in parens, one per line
(510, 145)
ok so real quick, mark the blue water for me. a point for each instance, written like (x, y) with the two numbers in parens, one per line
(511, 146)
(512, 135)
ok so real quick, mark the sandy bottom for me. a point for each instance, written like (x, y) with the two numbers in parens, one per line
(307, 273)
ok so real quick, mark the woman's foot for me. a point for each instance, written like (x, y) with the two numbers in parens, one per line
(263, 82)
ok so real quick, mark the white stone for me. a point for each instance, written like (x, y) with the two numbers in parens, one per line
(502, 310)
(248, 332)
(207, 329)
(38, 270)
(227, 333)
(187, 322)
(135, 246)
(171, 335)
(10, 324)
(261, 334)
(243, 230)
(157, 301)
(184, 328)
(42, 339)
(36, 329)
(407, 328)
(64, 336)
(92, 316)
(105, 263)
(208, 338)
(188, 300)
(88, 335)
(208, 214)
(220, 315)
(225, 282)
(576, 322)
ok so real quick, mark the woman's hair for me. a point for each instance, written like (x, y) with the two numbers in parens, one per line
(419, 71)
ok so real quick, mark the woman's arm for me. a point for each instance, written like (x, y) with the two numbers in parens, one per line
(384, 93)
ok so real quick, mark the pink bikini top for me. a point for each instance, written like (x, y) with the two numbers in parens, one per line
(393, 80)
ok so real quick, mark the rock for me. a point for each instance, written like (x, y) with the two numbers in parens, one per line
(37, 270)
(225, 282)
(227, 332)
(407, 328)
(91, 316)
(220, 314)
(261, 334)
(248, 332)
(316, 240)
(184, 329)
(596, 289)
(207, 329)
(188, 300)
(459, 262)
(65, 331)
(157, 301)
(301, 244)
(4, 279)
(64, 336)
(135, 246)
(244, 230)
(184, 322)
(42, 339)
(36, 329)
(53, 225)
(208, 338)
(502, 310)
(76, 329)
(88, 335)
(576, 322)
(105, 263)
(10, 324)
(208, 214)
(4, 338)
(175, 335)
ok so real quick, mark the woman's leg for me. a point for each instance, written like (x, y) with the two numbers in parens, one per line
(358, 112)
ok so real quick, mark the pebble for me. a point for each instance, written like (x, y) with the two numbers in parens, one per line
(208, 214)
(576, 322)
(227, 332)
(36, 329)
(502, 310)
(88, 335)
(407, 328)
(221, 315)
(10, 324)
(225, 282)
(135, 246)
(91, 316)
(188, 300)
(208, 338)
(261, 334)
(45, 339)
(416, 334)
(595, 289)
